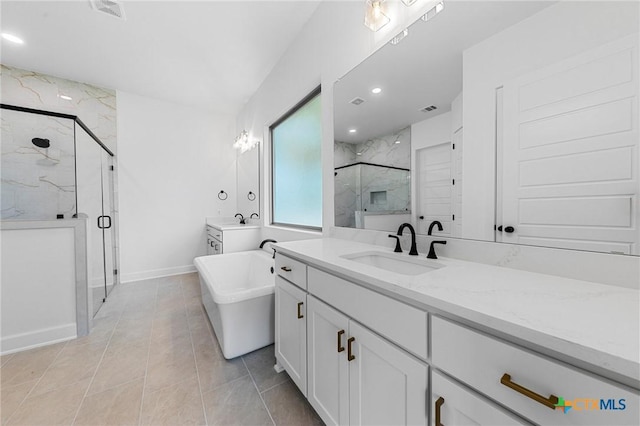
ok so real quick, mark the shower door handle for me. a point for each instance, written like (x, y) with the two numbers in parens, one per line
(101, 223)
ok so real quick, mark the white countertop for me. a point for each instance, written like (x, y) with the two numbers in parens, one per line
(592, 323)
(226, 224)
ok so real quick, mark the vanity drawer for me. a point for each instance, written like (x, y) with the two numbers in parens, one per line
(482, 361)
(292, 270)
(400, 323)
(215, 233)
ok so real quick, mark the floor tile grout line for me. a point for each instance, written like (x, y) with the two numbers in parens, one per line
(276, 385)
(195, 360)
(146, 367)
(38, 382)
(259, 394)
(86, 392)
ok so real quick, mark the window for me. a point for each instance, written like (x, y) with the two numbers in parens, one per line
(296, 169)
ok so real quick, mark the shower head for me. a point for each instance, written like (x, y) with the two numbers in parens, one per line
(41, 143)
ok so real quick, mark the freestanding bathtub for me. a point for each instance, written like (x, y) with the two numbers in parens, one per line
(238, 295)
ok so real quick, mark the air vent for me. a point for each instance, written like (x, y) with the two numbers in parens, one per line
(356, 101)
(110, 7)
(429, 108)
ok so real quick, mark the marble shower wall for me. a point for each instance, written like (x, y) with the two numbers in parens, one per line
(372, 188)
(39, 183)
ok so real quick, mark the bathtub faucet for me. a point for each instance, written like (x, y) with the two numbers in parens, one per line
(269, 240)
(242, 219)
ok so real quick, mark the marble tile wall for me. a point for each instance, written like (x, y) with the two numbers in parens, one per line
(38, 183)
(354, 185)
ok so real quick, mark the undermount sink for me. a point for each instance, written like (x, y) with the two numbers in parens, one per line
(394, 262)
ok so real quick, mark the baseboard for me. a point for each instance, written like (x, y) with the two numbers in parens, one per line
(34, 339)
(156, 273)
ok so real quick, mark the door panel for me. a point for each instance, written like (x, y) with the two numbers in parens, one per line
(291, 332)
(386, 385)
(569, 149)
(328, 369)
(435, 190)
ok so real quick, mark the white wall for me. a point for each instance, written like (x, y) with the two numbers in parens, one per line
(520, 49)
(173, 160)
(38, 290)
(331, 43)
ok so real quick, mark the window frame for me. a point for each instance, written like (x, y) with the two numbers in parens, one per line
(315, 92)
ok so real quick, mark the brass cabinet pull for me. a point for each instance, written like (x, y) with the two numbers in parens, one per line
(439, 403)
(286, 269)
(547, 402)
(300, 313)
(350, 356)
(340, 347)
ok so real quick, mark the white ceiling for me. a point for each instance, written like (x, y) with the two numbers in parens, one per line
(207, 54)
(422, 70)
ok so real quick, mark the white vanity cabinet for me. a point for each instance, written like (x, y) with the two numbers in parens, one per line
(351, 375)
(452, 404)
(528, 383)
(358, 378)
(291, 331)
(232, 238)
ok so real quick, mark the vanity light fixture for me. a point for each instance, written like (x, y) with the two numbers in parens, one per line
(12, 38)
(244, 143)
(433, 11)
(400, 36)
(374, 17)
(376, 90)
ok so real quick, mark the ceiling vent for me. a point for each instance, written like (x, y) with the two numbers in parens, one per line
(110, 7)
(356, 101)
(429, 108)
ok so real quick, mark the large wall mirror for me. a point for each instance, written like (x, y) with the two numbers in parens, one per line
(248, 181)
(508, 121)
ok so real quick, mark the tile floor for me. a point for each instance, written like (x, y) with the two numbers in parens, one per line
(151, 359)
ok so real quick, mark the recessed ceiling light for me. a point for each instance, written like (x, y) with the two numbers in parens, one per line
(398, 141)
(65, 97)
(358, 153)
(376, 90)
(12, 38)
(352, 130)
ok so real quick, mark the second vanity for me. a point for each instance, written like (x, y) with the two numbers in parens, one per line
(463, 343)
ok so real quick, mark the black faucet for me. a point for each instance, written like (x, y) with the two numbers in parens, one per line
(414, 250)
(257, 216)
(398, 249)
(269, 240)
(242, 219)
(432, 251)
(434, 223)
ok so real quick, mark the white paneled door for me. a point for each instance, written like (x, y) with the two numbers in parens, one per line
(570, 155)
(435, 188)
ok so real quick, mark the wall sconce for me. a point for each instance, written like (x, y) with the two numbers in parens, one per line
(433, 11)
(374, 17)
(243, 143)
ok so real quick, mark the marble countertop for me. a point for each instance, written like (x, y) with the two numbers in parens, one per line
(226, 224)
(592, 323)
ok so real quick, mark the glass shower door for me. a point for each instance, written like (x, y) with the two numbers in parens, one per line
(108, 224)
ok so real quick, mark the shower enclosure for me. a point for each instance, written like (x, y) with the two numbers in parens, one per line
(54, 167)
(372, 196)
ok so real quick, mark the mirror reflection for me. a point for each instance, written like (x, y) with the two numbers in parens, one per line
(248, 181)
(512, 121)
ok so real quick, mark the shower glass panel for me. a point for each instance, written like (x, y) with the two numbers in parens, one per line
(38, 167)
(108, 222)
